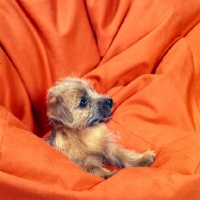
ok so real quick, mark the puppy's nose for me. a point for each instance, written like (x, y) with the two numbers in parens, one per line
(108, 103)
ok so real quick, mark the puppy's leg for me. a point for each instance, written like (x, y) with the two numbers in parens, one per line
(93, 164)
(126, 158)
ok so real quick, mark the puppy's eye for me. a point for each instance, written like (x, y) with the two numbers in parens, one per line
(83, 102)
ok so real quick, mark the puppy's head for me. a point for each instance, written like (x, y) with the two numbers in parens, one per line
(72, 102)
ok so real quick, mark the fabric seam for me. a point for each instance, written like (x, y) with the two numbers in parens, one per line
(160, 148)
(3, 134)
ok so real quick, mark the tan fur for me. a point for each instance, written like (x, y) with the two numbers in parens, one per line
(77, 114)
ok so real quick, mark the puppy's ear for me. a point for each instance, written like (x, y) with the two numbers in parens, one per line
(58, 111)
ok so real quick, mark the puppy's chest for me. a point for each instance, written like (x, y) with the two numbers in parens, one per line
(96, 139)
(90, 141)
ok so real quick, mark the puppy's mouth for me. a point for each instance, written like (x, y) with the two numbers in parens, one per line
(100, 120)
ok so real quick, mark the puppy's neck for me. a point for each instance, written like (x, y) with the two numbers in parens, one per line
(68, 132)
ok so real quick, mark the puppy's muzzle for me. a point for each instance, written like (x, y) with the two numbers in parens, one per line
(103, 111)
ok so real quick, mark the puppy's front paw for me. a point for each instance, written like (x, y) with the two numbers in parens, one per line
(148, 157)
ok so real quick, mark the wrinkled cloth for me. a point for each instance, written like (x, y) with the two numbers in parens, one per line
(144, 53)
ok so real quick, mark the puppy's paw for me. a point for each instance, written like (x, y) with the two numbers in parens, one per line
(101, 171)
(148, 157)
(108, 174)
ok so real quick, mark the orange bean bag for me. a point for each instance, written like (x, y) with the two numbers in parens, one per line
(144, 53)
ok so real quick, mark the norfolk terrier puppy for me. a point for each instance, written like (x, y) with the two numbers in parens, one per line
(77, 114)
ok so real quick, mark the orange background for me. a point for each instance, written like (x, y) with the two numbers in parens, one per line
(144, 53)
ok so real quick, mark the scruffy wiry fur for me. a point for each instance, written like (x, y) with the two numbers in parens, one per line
(77, 114)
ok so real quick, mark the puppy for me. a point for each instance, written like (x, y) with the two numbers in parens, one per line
(77, 114)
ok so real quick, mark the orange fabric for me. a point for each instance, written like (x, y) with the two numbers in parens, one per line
(144, 54)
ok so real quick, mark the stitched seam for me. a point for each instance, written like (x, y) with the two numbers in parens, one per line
(160, 148)
(197, 168)
(194, 85)
(4, 130)
(174, 9)
(133, 133)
